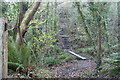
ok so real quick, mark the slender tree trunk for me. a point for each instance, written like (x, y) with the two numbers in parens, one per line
(47, 16)
(118, 23)
(99, 51)
(97, 19)
(83, 20)
(19, 22)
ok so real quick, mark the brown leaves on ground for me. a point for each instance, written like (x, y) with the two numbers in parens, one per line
(75, 68)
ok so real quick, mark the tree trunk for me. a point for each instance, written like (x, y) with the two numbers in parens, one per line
(22, 11)
(19, 22)
(5, 68)
(118, 24)
(99, 52)
(3, 48)
(25, 23)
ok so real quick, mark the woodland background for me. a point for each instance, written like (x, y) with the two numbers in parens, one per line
(33, 44)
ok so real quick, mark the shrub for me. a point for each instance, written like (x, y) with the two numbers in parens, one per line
(113, 60)
(65, 57)
(49, 61)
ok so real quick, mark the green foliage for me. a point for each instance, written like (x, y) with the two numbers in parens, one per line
(65, 57)
(83, 19)
(10, 71)
(88, 50)
(45, 42)
(49, 61)
(113, 60)
(57, 49)
(34, 22)
(16, 66)
(92, 19)
(25, 54)
(57, 59)
(12, 51)
(19, 54)
(42, 45)
(10, 11)
(3, 8)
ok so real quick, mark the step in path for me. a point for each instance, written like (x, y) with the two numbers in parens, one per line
(66, 46)
(74, 68)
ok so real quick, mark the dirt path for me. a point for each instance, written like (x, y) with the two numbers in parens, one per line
(75, 68)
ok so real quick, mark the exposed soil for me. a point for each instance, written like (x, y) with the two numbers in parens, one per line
(73, 69)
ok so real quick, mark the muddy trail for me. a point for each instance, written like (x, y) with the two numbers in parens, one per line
(73, 69)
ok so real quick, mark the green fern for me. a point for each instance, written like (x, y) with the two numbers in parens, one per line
(113, 60)
(13, 53)
(20, 54)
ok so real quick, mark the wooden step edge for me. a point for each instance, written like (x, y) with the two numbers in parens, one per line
(77, 55)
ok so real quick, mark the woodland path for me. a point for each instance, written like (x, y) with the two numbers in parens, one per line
(73, 69)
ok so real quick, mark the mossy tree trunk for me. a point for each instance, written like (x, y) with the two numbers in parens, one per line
(23, 27)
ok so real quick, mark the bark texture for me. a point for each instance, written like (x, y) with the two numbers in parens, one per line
(3, 48)
(25, 23)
